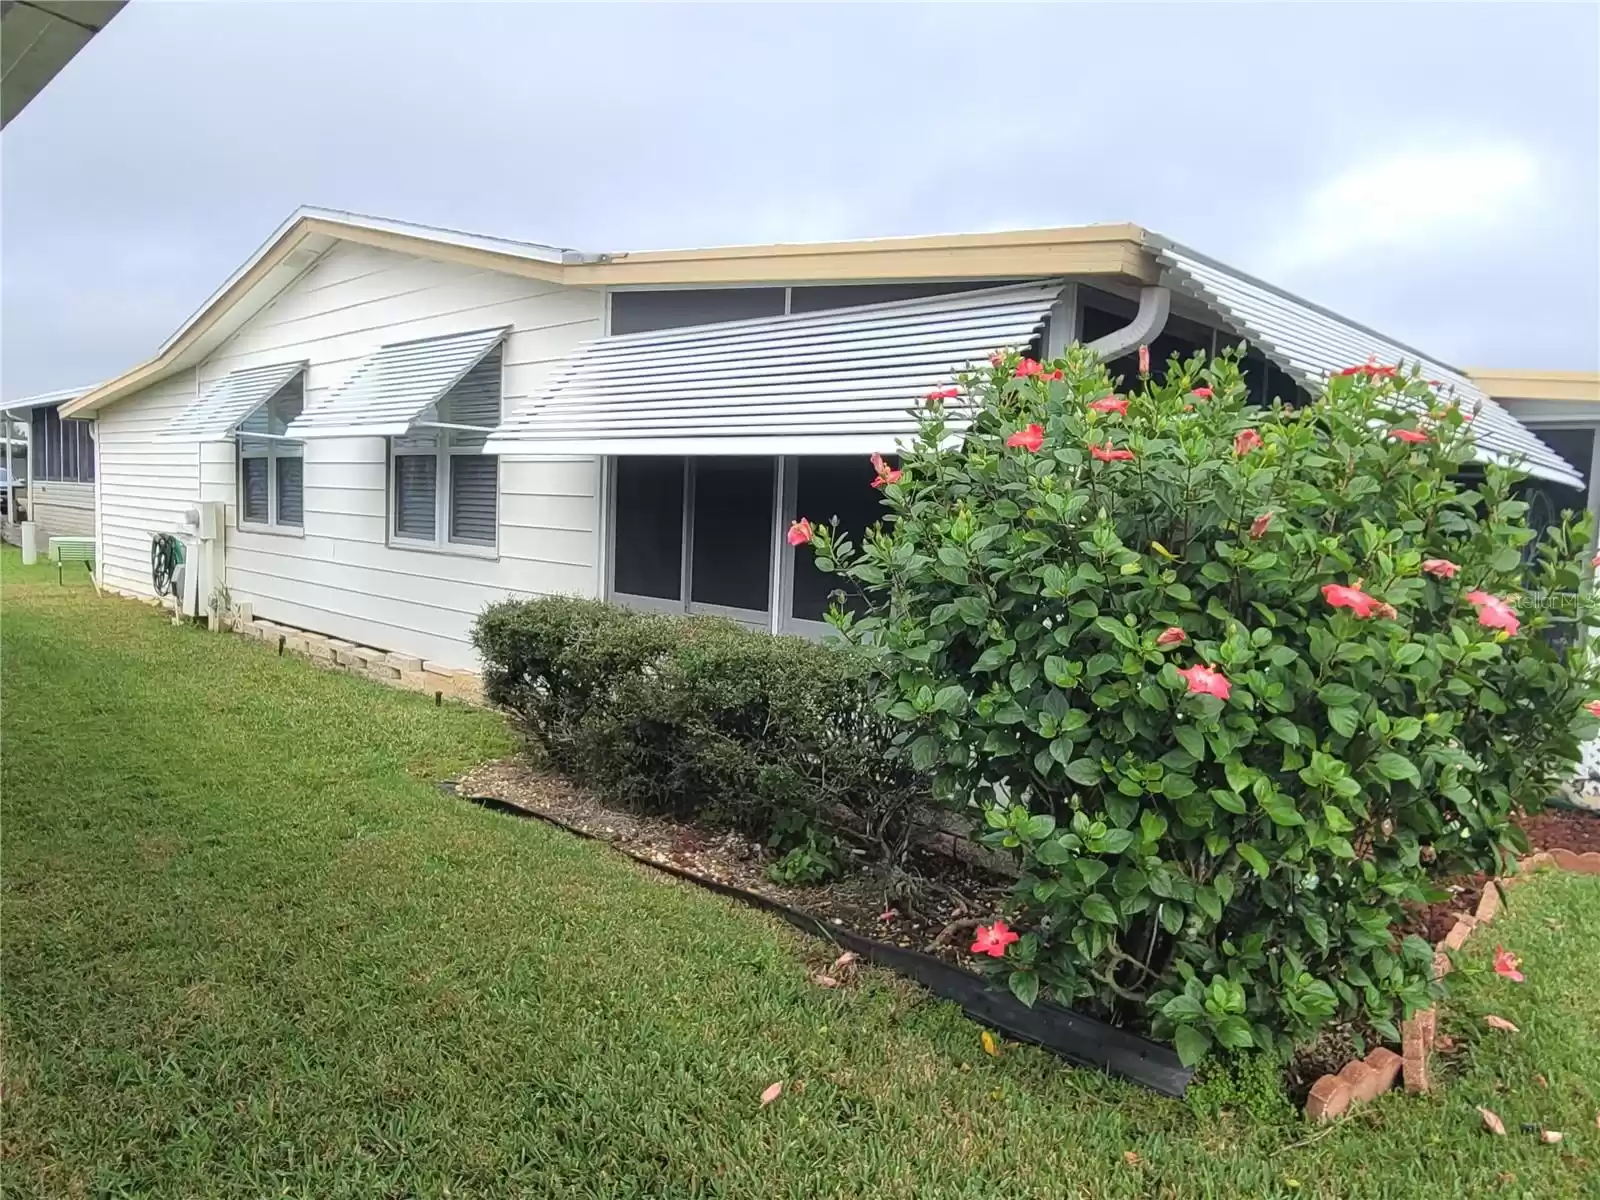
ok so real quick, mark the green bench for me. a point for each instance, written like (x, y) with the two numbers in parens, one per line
(72, 549)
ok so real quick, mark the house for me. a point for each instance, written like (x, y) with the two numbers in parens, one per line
(403, 423)
(1563, 409)
(50, 467)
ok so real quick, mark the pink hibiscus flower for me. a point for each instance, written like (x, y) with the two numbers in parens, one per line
(1207, 681)
(1172, 636)
(993, 939)
(886, 473)
(800, 532)
(1440, 568)
(1107, 454)
(1353, 598)
(1506, 963)
(1029, 439)
(1246, 441)
(1493, 612)
(1110, 404)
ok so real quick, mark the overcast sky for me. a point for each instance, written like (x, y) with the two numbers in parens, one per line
(1433, 170)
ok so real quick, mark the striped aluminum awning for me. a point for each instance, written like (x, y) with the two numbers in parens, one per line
(218, 411)
(393, 385)
(1309, 343)
(840, 381)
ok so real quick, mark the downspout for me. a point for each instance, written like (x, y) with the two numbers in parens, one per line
(1154, 305)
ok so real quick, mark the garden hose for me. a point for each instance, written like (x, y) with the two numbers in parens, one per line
(166, 564)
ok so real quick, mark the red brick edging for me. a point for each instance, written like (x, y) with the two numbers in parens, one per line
(1364, 1079)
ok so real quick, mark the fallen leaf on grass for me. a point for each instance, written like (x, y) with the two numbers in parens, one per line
(1444, 1044)
(991, 1045)
(1131, 1157)
(846, 960)
(1541, 1081)
(1492, 1122)
(776, 1090)
(1507, 1177)
(1549, 1137)
(827, 981)
(1500, 1023)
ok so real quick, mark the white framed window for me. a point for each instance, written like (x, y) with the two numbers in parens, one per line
(444, 491)
(271, 467)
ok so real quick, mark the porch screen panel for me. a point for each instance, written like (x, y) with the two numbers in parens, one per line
(649, 546)
(732, 544)
(831, 488)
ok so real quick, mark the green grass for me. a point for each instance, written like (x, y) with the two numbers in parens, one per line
(249, 950)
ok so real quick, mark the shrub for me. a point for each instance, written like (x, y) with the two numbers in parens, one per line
(1231, 682)
(777, 736)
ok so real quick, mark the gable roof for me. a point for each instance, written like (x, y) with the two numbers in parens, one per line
(1115, 250)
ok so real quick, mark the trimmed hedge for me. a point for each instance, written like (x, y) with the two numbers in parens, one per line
(700, 717)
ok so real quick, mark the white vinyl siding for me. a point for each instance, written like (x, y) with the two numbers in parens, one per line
(344, 577)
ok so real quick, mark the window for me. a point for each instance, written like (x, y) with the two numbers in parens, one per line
(61, 451)
(444, 489)
(717, 526)
(271, 466)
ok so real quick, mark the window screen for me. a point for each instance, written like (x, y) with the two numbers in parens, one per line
(69, 450)
(474, 479)
(732, 542)
(253, 489)
(85, 451)
(291, 490)
(640, 312)
(415, 480)
(649, 545)
(52, 433)
(827, 489)
(38, 445)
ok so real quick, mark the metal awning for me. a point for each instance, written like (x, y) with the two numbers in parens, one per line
(841, 381)
(216, 414)
(391, 387)
(1310, 343)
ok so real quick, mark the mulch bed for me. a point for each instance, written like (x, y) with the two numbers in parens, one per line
(1553, 829)
(950, 898)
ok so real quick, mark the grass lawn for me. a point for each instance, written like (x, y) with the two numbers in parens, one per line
(249, 950)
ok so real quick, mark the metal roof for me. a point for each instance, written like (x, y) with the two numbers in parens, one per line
(1310, 343)
(53, 399)
(840, 381)
(391, 387)
(215, 415)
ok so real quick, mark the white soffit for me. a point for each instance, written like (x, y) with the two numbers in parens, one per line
(215, 415)
(392, 386)
(1310, 343)
(840, 381)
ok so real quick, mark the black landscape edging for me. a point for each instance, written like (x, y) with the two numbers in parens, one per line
(1080, 1039)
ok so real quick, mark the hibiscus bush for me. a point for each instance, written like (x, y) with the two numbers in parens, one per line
(1231, 682)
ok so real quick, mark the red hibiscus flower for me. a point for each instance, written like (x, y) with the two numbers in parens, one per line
(998, 357)
(949, 393)
(1353, 598)
(1029, 439)
(1027, 367)
(886, 473)
(1207, 681)
(1172, 636)
(800, 532)
(1144, 360)
(1493, 612)
(1203, 392)
(1056, 374)
(993, 939)
(1107, 454)
(1593, 708)
(1506, 963)
(1440, 568)
(1259, 525)
(1246, 441)
(1370, 368)
(1415, 436)
(1107, 404)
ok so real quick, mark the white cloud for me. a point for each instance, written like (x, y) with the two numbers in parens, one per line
(1413, 200)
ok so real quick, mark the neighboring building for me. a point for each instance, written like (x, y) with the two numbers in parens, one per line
(51, 466)
(1563, 408)
(406, 423)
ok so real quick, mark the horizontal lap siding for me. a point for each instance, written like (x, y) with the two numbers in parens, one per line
(63, 509)
(340, 577)
(145, 485)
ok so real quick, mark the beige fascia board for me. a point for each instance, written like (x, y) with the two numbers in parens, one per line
(1095, 250)
(1505, 384)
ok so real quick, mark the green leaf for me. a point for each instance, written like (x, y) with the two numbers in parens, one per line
(1097, 908)
(1344, 721)
(1172, 918)
(1316, 927)
(995, 656)
(1192, 740)
(1337, 695)
(1124, 636)
(1024, 986)
(1176, 787)
(1234, 1033)
(1239, 775)
(1115, 841)
(1254, 857)
(1192, 1044)
(1333, 816)
(1040, 826)
(924, 752)
(1092, 871)
(1210, 903)
(951, 699)
(1153, 825)
(1084, 771)
(1284, 730)
(1183, 1007)
(1397, 766)
(1231, 801)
